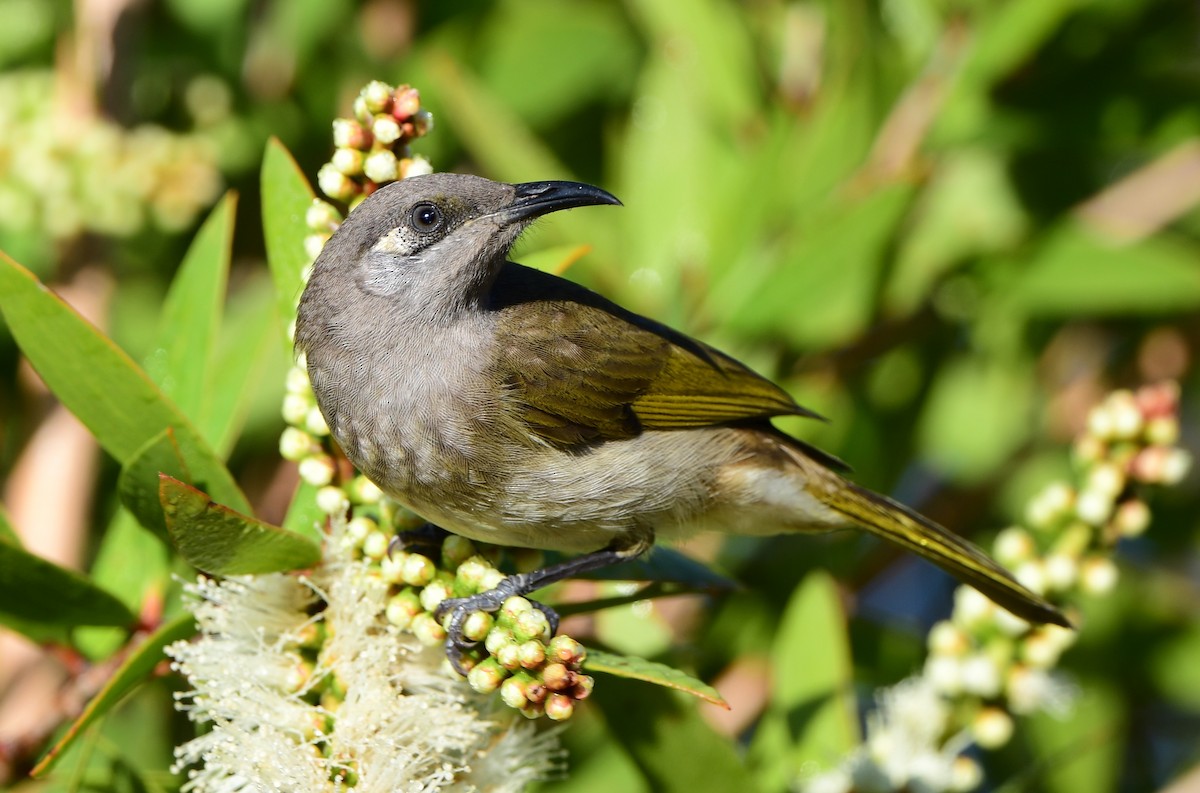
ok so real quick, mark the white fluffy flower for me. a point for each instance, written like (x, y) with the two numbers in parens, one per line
(400, 721)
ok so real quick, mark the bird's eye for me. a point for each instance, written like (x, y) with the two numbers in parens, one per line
(426, 217)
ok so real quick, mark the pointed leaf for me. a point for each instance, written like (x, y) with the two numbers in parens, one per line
(191, 315)
(136, 668)
(137, 485)
(651, 672)
(287, 196)
(218, 540)
(33, 589)
(304, 516)
(811, 720)
(99, 383)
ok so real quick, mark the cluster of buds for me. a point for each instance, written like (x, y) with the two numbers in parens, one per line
(372, 148)
(987, 665)
(514, 652)
(68, 173)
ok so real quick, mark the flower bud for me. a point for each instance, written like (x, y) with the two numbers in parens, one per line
(332, 500)
(415, 166)
(403, 608)
(382, 166)
(364, 491)
(509, 656)
(296, 444)
(375, 545)
(487, 676)
(583, 686)
(348, 161)
(295, 408)
(386, 131)
(945, 638)
(992, 728)
(1061, 572)
(317, 470)
(1162, 431)
(477, 626)
(981, 675)
(965, 774)
(419, 571)
(1100, 422)
(1124, 414)
(944, 672)
(456, 550)
(297, 381)
(422, 122)
(1132, 518)
(532, 654)
(406, 101)
(970, 607)
(377, 95)
(1013, 546)
(391, 566)
(512, 607)
(336, 184)
(427, 630)
(1098, 575)
(1094, 507)
(314, 422)
(359, 527)
(434, 593)
(559, 707)
(566, 650)
(350, 134)
(531, 624)
(313, 245)
(512, 691)
(497, 638)
(558, 677)
(491, 579)
(1051, 504)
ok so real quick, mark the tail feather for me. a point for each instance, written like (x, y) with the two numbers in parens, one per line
(899, 524)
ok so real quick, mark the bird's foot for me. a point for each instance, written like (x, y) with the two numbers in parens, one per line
(491, 601)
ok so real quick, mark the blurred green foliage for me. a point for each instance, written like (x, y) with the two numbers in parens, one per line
(893, 207)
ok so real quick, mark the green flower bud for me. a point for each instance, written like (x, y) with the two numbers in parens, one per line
(376, 544)
(583, 686)
(497, 638)
(512, 691)
(295, 408)
(332, 500)
(406, 101)
(456, 550)
(509, 656)
(391, 566)
(386, 131)
(419, 570)
(317, 470)
(470, 573)
(403, 608)
(511, 608)
(531, 624)
(296, 444)
(314, 422)
(427, 630)
(532, 654)
(486, 676)
(558, 677)
(434, 593)
(364, 491)
(297, 382)
(477, 625)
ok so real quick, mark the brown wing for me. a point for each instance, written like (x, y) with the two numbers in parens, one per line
(584, 369)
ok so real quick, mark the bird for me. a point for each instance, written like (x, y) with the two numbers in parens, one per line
(512, 406)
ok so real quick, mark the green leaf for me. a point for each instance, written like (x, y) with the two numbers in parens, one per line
(1076, 272)
(811, 720)
(136, 668)
(99, 383)
(219, 540)
(977, 414)
(138, 483)
(304, 517)
(676, 750)
(651, 672)
(33, 589)
(7, 533)
(1079, 750)
(287, 196)
(191, 315)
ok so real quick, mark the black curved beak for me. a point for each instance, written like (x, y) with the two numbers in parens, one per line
(534, 199)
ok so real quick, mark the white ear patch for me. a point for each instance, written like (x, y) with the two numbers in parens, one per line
(393, 242)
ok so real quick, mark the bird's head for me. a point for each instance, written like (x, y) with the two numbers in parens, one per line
(441, 238)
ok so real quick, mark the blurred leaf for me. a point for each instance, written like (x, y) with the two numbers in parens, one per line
(136, 668)
(286, 199)
(977, 414)
(1077, 746)
(968, 209)
(191, 316)
(823, 292)
(7, 533)
(138, 482)
(557, 259)
(1175, 666)
(1075, 272)
(99, 383)
(811, 720)
(586, 45)
(220, 541)
(675, 749)
(651, 672)
(248, 355)
(505, 147)
(36, 590)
